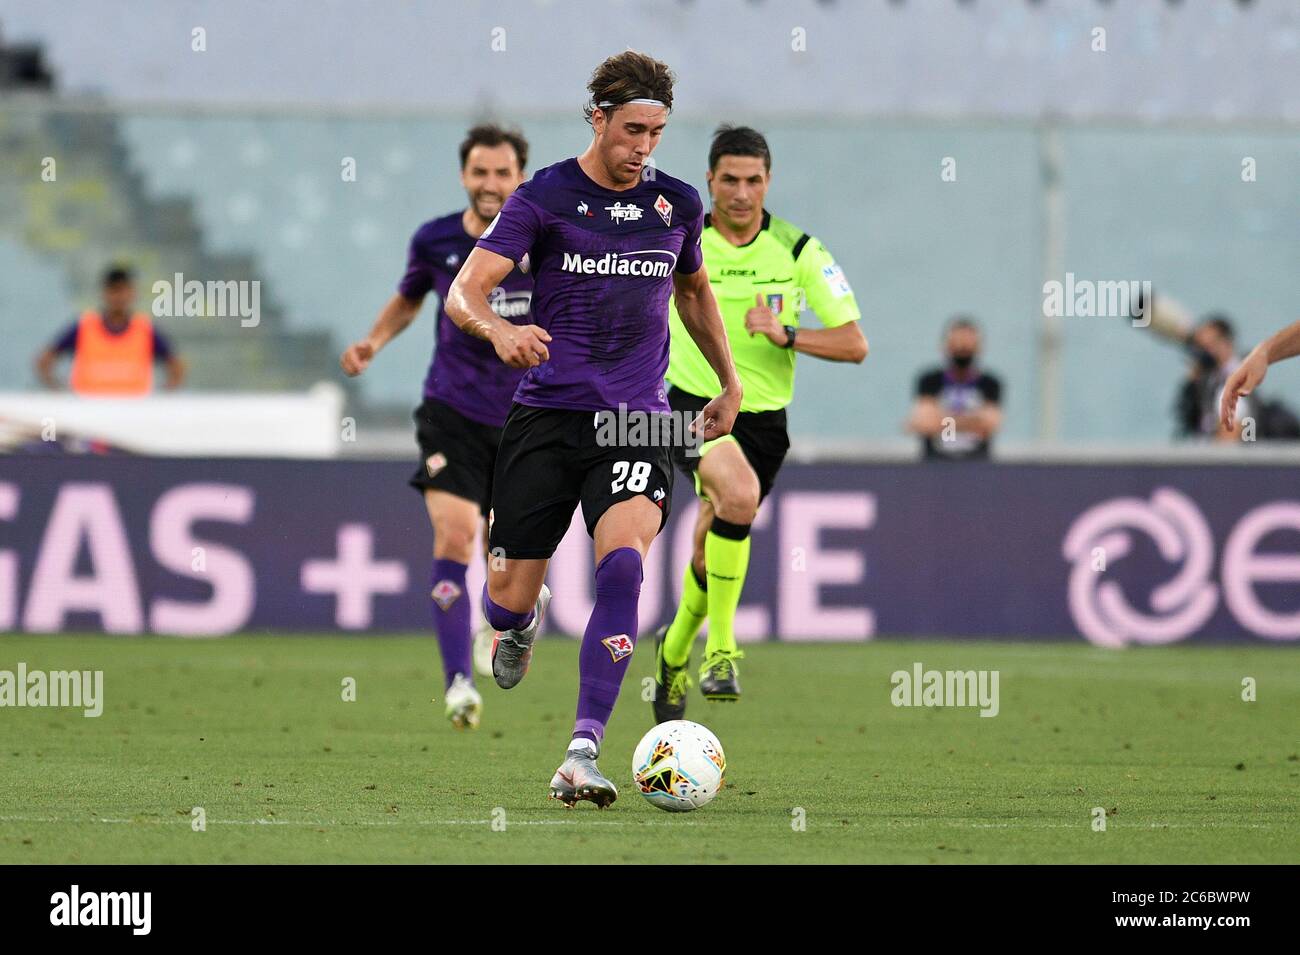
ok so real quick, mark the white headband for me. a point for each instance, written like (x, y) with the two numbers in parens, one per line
(638, 102)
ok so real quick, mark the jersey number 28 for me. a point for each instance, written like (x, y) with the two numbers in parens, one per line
(634, 475)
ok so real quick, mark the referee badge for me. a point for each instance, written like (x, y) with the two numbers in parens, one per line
(775, 303)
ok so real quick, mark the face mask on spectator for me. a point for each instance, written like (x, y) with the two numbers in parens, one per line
(963, 359)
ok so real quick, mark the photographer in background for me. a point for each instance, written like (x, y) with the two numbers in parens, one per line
(1212, 347)
(958, 406)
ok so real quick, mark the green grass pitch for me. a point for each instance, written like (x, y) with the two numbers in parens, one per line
(255, 731)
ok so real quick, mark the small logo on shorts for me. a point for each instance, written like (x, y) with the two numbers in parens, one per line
(435, 463)
(659, 496)
(619, 646)
(445, 593)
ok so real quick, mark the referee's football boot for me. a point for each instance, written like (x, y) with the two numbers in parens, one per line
(579, 779)
(512, 650)
(719, 681)
(671, 682)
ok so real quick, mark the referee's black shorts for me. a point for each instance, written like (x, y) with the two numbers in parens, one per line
(762, 436)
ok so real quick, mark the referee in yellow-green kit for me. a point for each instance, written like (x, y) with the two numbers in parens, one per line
(764, 272)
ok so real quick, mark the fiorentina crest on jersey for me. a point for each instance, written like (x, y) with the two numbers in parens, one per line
(665, 210)
(444, 593)
(619, 646)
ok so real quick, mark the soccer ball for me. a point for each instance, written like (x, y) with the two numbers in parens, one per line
(678, 766)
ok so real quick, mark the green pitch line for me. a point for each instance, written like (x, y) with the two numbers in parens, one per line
(254, 731)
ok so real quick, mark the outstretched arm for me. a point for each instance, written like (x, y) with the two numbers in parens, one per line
(1250, 373)
(393, 319)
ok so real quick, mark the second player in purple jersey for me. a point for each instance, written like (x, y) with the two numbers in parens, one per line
(468, 394)
(465, 372)
(602, 263)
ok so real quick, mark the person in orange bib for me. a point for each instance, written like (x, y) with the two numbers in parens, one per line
(113, 350)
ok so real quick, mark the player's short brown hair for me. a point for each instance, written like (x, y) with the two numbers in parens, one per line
(627, 76)
(489, 134)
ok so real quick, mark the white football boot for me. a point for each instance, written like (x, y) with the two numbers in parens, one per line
(464, 705)
(483, 638)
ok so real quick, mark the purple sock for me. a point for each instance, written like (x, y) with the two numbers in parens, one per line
(502, 619)
(607, 645)
(451, 618)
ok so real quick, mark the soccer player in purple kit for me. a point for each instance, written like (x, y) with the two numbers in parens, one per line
(609, 240)
(467, 393)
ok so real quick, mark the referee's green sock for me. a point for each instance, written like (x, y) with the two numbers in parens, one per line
(691, 612)
(726, 559)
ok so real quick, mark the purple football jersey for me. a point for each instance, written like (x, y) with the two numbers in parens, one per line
(602, 263)
(465, 371)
